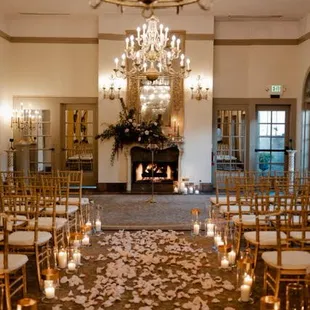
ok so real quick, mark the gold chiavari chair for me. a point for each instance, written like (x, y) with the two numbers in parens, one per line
(264, 236)
(63, 209)
(75, 193)
(48, 220)
(29, 240)
(13, 276)
(287, 263)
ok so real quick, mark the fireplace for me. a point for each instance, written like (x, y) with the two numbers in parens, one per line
(163, 171)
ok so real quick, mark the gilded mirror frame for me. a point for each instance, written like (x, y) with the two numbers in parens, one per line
(176, 93)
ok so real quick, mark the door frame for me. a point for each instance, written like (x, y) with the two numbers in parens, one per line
(249, 106)
(80, 105)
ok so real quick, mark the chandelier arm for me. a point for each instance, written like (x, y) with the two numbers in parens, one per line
(96, 4)
(203, 6)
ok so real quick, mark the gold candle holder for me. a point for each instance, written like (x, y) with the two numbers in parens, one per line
(269, 303)
(27, 304)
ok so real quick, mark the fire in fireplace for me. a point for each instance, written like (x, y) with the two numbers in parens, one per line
(163, 171)
(158, 171)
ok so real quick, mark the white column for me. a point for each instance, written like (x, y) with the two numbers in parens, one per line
(291, 167)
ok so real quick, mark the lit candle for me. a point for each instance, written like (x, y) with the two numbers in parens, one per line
(224, 262)
(182, 60)
(138, 31)
(210, 230)
(50, 292)
(116, 63)
(245, 292)
(71, 265)
(185, 191)
(176, 190)
(248, 280)
(123, 60)
(232, 257)
(217, 240)
(178, 44)
(98, 225)
(62, 259)
(127, 42)
(76, 243)
(188, 62)
(190, 190)
(196, 229)
(220, 242)
(196, 192)
(85, 240)
(77, 257)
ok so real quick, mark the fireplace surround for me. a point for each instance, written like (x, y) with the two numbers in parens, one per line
(165, 170)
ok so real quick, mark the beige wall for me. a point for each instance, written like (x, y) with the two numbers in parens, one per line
(54, 69)
(246, 71)
(5, 101)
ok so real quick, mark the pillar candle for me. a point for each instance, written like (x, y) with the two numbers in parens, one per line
(77, 257)
(62, 259)
(232, 257)
(50, 292)
(190, 190)
(248, 280)
(224, 262)
(98, 225)
(196, 229)
(245, 292)
(71, 265)
(85, 240)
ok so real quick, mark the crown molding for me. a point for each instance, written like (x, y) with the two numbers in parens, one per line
(246, 42)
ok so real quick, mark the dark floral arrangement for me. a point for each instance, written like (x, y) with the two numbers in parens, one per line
(127, 131)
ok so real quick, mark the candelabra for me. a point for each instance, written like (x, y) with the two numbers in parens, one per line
(198, 91)
(26, 121)
(113, 91)
(152, 54)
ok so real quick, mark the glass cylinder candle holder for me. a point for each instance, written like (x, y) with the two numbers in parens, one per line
(295, 296)
(27, 304)
(98, 224)
(224, 262)
(71, 266)
(195, 214)
(77, 256)
(196, 228)
(270, 303)
(85, 240)
(62, 258)
(209, 228)
(245, 293)
(191, 190)
(50, 274)
(76, 239)
(232, 257)
(49, 289)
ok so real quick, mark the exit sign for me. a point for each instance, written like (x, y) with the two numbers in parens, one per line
(276, 89)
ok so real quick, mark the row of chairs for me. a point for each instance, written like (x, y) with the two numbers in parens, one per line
(271, 213)
(36, 211)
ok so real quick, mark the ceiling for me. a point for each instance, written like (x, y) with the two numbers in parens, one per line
(222, 9)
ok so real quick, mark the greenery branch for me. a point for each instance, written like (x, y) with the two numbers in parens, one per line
(127, 131)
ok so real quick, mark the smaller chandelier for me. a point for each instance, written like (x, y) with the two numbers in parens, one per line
(198, 91)
(27, 122)
(152, 54)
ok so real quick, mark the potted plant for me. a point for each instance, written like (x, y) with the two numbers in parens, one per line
(264, 159)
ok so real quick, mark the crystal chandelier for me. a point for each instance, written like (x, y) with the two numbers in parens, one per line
(152, 54)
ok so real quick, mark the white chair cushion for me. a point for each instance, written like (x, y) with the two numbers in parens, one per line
(47, 222)
(298, 235)
(61, 209)
(268, 238)
(16, 261)
(76, 200)
(26, 238)
(222, 200)
(290, 259)
(246, 219)
(234, 209)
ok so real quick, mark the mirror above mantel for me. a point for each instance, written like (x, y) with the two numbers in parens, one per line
(164, 97)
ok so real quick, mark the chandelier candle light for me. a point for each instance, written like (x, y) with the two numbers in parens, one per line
(152, 54)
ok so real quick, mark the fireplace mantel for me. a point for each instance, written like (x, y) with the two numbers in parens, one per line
(127, 152)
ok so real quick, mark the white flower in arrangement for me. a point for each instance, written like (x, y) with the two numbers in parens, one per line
(155, 123)
(146, 132)
(127, 130)
(130, 120)
(134, 124)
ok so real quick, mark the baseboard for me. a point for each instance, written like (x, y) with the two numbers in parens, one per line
(112, 187)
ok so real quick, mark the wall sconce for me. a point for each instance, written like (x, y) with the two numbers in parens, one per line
(112, 91)
(199, 92)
